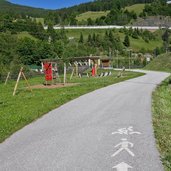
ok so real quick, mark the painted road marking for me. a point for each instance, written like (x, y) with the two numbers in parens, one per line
(122, 167)
(124, 146)
(126, 131)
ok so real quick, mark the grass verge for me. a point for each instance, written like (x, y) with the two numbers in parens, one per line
(160, 63)
(25, 107)
(162, 121)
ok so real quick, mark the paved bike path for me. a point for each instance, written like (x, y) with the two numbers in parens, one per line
(108, 129)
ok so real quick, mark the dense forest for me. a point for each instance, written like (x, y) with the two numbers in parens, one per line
(21, 11)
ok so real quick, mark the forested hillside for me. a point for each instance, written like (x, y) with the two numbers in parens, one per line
(157, 7)
(7, 7)
(67, 16)
(117, 13)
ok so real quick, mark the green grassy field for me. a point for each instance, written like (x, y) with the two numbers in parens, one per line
(25, 34)
(40, 20)
(22, 109)
(138, 44)
(161, 63)
(91, 14)
(137, 8)
(85, 32)
(162, 121)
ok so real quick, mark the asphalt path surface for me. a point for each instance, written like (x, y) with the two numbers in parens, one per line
(108, 129)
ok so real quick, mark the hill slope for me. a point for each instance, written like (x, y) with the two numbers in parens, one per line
(161, 63)
(137, 8)
(8, 7)
(91, 14)
(97, 5)
(68, 16)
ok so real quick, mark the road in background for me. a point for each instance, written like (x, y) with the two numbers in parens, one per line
(108, 27)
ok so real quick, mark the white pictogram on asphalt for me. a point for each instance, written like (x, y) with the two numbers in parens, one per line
(122, 167)
(124, 146)
(126, 131)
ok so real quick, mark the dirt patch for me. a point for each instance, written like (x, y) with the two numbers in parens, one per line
(59, 85)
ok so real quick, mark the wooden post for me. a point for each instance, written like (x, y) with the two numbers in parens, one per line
(72, 74)
(16, 85)
(64, 73)
(76, 70)
(95, 69)
(18, 79)
(26, 81)
(7, 78)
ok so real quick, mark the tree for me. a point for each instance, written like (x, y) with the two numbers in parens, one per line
(89, 22)
(26, 50)
(165, 38)
(89, 40)
(135, 34)
(81, 40)
(111, 37)
(59, 48)
(157, 51)
(126, 41)
(7, 47)
(94, 37)
(73, 21)
(98, 41)
(51, 32)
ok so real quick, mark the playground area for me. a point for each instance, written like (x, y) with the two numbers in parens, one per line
(87, 66)
(58, 73)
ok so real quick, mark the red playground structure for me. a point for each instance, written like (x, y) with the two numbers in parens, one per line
(94, 70)
(50, 68)
(48, 71)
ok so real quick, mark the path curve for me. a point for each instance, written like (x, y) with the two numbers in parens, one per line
(78, 135)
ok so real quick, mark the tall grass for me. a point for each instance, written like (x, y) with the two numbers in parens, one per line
(162, 121)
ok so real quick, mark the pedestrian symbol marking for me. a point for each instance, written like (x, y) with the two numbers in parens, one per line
(124, 145)
(126, 131)
(122, 167)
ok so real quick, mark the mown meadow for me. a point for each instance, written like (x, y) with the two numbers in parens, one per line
(25, 107)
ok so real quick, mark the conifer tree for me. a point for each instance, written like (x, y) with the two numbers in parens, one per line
(89, 40)
(81, 40)
(126, 41)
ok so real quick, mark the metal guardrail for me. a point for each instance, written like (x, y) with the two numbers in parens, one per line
(108, 27)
